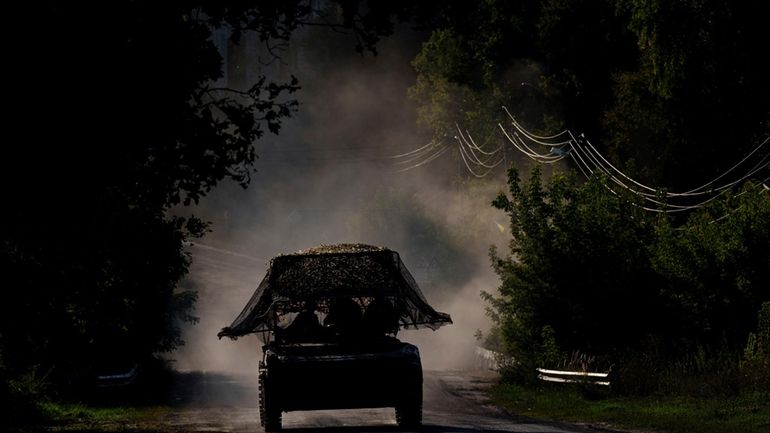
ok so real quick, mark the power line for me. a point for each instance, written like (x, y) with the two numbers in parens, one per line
(470, 170)
(412, 151)
(591, 162)
(587, 158)
(463, 142)
(472, 144)
(426, 160)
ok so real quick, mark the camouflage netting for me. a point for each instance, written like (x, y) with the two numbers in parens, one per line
(324, 273)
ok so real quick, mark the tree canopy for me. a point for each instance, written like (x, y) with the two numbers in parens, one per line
(675, 94)
(115, 117)
(668, 89)
(598, 274)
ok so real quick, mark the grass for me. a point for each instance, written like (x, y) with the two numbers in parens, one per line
(745, 414)
(67, 417)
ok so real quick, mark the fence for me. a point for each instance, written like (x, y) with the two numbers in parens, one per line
(117, 380)
(585, 377)
(490, 360)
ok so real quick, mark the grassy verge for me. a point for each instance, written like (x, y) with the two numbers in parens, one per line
(745, 414)
(86, 418)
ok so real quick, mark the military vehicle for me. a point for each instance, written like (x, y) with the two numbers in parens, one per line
(328, 317)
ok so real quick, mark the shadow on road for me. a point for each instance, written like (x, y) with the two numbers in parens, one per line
(180, 389)
(455, 402)
(202, 389)
(424, 429)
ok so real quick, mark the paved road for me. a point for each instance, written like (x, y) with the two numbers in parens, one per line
(453, 402)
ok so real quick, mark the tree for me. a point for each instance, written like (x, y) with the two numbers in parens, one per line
(593, 272)
(716, 269)
(577, 270)
(115, 119)
(675, 94)
(648, 81)
(697, 92)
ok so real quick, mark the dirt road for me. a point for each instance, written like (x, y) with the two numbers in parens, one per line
(453, 402)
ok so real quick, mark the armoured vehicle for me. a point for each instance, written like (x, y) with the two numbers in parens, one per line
(328, 318)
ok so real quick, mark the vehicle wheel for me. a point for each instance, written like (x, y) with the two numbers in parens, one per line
(409, 416)
(409, 412)
(269, 414)
(272, 422)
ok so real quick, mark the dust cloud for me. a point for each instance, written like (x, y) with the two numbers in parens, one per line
(327, 178)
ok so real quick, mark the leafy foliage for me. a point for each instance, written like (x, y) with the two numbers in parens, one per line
(756, 355)
(717, 273)
(117, 122)
(130, 127)
(758, 346)
(700, 63)
(577, 267)
(674, 92)
(591, 271)
(649, 80)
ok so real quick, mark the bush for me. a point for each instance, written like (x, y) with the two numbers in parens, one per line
(755, 367)
(21, 397)
(578, 269)
(587, 270)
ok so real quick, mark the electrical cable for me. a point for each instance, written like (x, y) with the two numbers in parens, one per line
(475, 146)
(415, 157)
(462, 155)
(587, 157)
(529, 152)
(427, 160)
(533, 135)
(472, 156)
(411, 152)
